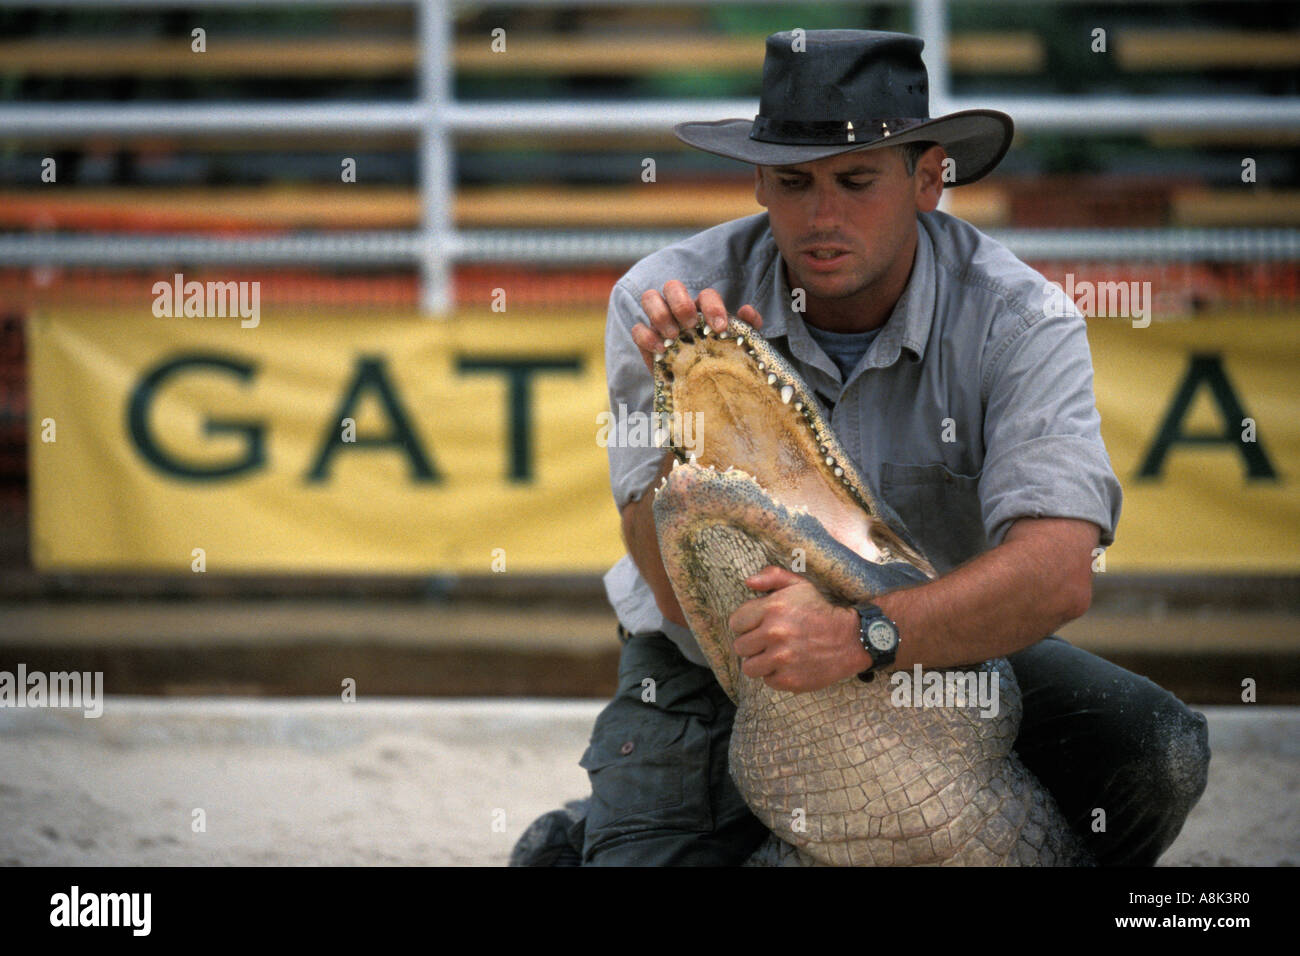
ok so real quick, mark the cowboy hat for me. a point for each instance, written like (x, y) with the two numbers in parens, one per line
(827, 92)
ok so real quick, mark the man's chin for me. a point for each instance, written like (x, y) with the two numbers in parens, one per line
(830, 288)
(841, 284)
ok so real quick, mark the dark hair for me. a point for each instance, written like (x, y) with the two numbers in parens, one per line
(912, 153)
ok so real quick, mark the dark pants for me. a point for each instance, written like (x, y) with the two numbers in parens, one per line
(1098, 736)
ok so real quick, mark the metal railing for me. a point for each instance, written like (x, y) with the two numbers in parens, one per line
(436, 117)
(576, 247)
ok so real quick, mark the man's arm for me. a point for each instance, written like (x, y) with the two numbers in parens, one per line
(1037, 579)
(1002, 601)
(643, 545)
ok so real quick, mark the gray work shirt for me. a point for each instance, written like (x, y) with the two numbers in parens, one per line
(972, 408)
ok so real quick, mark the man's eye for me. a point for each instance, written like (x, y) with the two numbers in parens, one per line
(791, 183)
(858, 184)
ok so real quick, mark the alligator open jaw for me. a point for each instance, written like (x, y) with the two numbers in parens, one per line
(756, 414)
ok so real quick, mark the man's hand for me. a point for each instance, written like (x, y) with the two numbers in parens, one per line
(673, 312)
(793, 638)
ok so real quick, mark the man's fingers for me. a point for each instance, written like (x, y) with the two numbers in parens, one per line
(673, 311)
(714, 310)
(746, 617)
(749, 645)
(649, 342)
(681, 305)
(660, 314)
(761, 665)
(772, 578)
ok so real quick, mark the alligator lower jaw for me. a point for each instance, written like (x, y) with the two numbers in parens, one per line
(717, 528)
(753, 412)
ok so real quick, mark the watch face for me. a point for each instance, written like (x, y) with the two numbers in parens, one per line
(881, 635)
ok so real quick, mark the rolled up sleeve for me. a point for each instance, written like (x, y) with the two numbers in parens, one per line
(631, 395)
(1044, 456)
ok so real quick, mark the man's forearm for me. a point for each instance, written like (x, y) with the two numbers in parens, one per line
(1000, 602)
(643, 545)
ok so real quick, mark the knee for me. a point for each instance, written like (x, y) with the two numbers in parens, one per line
(1184, 761)
(1175, 764)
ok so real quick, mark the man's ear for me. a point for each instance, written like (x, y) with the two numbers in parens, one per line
(760, 187)
(929, 179)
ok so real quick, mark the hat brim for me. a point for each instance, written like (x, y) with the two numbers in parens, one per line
(976, 140)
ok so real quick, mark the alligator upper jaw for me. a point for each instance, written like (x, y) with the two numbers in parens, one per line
(753, 412)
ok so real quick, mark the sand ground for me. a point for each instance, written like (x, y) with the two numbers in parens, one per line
(442, 782)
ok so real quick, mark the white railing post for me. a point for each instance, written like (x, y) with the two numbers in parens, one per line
(930, 21)
(436, 155)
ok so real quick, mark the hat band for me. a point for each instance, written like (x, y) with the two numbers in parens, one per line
(828, 132)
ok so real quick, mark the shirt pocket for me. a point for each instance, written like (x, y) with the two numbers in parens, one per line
(941, 509)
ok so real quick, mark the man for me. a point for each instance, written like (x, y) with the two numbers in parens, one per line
(964, 393)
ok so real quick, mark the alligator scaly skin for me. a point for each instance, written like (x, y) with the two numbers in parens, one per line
(841, 776)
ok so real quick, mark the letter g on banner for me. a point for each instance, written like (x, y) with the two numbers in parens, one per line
(144, 395)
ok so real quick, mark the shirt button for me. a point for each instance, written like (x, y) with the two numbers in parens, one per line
(627, 748)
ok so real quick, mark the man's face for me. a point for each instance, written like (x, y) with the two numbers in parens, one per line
(846, 225)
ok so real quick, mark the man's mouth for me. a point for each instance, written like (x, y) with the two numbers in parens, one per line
(824, 258)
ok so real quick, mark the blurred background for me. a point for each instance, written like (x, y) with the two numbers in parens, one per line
(434, 200)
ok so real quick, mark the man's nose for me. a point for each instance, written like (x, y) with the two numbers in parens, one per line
(825, 207)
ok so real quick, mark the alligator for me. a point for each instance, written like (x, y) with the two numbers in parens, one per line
(851, 774)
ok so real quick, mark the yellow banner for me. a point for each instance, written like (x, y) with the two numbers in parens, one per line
(381, 444)
(1200, 419)
(469, 445)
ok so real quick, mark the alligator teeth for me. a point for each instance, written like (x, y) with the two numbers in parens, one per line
(722, 334)
(798, 406)
(761, 366)
(669, 343)
(822, 449)
(706, 330)
(771, 378)
(740, 340)
(839, 472)
(830, 462)
(787, 393)
(659, 356)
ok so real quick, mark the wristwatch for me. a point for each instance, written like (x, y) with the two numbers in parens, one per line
(879, 636)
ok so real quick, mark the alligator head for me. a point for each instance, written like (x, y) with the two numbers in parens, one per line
(840, 775)
(762, 452)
